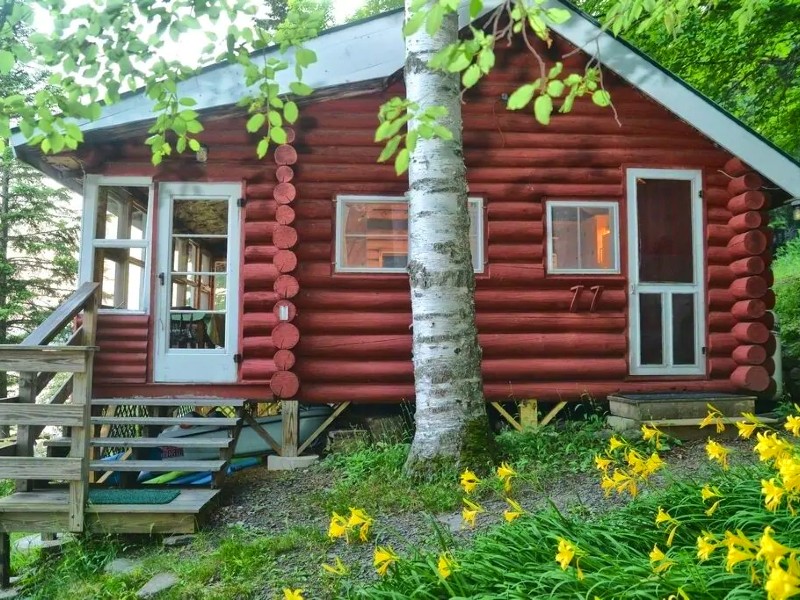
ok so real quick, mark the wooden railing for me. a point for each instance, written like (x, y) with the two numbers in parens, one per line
(37, 363)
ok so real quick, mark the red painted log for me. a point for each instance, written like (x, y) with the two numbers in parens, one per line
(291, 136)
(284, 360)
(114, 357)
(284, 193)
(515, 275)
(718, 255)
(510, 253)
(720, 299)
(260, 190)
(769, 278)
(258, 324)
(721, 344)
(721, 321)
(717, 196)
(752, 265)
(284, 215)
(284, 384)
(718, 235)
(285, 155)
(264, 253)
(744, 183)
(259, 301)
(285, 307)
(752, 378)
(285, 336)
(284, 174)
(749, 354)
(747, 201)
(746, 221)
(314, 251)
(748, 287)
(318, 230)
(120, 346)
(260, 210)
(285, 261)
(122, 333)
(720, 276)
(284, 236)
(750, 333)
(769, 366)
(257, 369)
(771, 345)
(259, 275)
(721, 367)
(258, 232)
(255, 346)
(735, 167)
(286, 286)
(746, 310)
(747, 244)
(506, 232)
(719, 215)
(769, 299)
(768, 320)
(522, 211)
(314, 209)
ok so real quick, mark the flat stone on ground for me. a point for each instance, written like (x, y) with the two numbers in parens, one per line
(122, 566)
(290, 463)
(29, 542)
(157, 584)
(179, 540)
(9, 594)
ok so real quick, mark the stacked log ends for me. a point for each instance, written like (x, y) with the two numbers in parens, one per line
(284, 383)
(750, 288)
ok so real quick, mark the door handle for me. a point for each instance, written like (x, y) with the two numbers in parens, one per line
(161, 278)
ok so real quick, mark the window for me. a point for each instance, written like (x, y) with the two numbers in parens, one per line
(372, 234)
(583, 237)
(116, 254)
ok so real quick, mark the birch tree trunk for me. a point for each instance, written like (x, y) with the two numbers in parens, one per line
(451, 421)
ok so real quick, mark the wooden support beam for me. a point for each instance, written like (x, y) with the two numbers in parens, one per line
(262, 433)
(507, 416)
(5, 560)
(290, 418)
(325, 424)
(552, 414)
(529, 413)
(25, 439)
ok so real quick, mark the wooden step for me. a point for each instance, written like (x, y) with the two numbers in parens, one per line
(158, 466)
(201, 421)
(169, 402)
(145, 442)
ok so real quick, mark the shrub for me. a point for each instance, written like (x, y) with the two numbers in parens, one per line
(787, 291)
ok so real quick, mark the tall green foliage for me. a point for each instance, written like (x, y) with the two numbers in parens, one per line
(787, 293)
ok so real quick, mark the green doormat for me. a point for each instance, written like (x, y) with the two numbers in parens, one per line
(133, 496)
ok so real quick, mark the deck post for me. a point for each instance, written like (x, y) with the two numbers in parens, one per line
(5, 560)
(27, 395)
(290, 419)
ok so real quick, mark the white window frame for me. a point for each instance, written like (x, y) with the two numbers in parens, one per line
(88, 244)
(342, 200)
(613, 207)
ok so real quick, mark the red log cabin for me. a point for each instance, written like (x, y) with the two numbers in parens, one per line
(611, 254)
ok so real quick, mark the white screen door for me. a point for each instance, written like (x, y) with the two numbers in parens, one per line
(197, 285)
(667, 295)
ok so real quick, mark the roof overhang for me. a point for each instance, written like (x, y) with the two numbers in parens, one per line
(374, 50)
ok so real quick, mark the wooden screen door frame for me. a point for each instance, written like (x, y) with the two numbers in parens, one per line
(191, 365)
(697, 288)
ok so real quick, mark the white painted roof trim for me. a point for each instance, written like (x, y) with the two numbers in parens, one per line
(374, 49)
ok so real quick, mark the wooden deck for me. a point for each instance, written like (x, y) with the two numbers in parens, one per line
(45, 511)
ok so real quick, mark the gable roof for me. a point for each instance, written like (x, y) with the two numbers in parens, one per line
(373, 50)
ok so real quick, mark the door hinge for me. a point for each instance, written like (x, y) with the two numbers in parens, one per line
(237, 358)
(700, 194)
(161, 278)
(241, 202)
(704, 350)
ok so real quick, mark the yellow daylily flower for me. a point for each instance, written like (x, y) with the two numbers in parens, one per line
(781, 584)
(651, 432)
(659, 561)
(635, 461)
(713, 508)
(773, 493)
(504, 474)
(515, 512)
(793, 425)
(709, 492)
(706, 544)
(771, 447)
(337, 568)
(383, 558)
(602, 462)
(625, 483)
(740, 549)
(653, 464)
(470, 512)
(338, 526)
(289, 594)
(714, 417)
(566, 552)
(717, 452)
(446, 565)
(770, 549)
(746, 430)
(662, 516)
(469, 481)
(359, 518)
(607, 484)
(615, 443)
(789, 468)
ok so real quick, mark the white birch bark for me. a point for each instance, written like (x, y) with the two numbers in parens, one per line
(450, 410)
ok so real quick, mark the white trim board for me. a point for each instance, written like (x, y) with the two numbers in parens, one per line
(373, 49)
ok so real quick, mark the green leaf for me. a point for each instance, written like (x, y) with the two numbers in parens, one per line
(300, 88)
(194, 145)
(435, 18)
(542, 109)
(275, 118)
(391, 147)
(256, 122)
(194, 127)
(278, 135)
(521, 97)
(471, 76)
(601, 98)
(475, 7)
(305, 57)
(402, 161)
(414, 23)
(558, 15)
(7, 61)
(291, 112)
(262, 148)
(555, 88)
